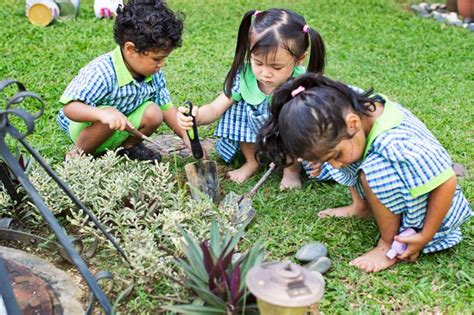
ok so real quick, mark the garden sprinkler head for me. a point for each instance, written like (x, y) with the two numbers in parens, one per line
(284, 288)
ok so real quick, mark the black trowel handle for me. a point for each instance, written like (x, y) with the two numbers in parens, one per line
(193, 134)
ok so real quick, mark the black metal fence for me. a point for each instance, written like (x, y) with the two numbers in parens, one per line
(12, 174)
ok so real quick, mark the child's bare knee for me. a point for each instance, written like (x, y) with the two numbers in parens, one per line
(153, 116)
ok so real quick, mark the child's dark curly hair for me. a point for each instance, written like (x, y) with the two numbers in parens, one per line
(149, 24)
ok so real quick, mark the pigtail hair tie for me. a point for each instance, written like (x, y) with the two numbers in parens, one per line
(306, 28)
(297, 91)
(256, 13)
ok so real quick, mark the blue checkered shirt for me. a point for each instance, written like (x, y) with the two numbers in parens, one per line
(97, 84)
(240, 123)
(399, 166)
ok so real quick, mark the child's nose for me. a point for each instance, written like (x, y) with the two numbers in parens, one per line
(266, 72)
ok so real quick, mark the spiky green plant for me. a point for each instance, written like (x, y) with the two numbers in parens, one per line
(214, 276)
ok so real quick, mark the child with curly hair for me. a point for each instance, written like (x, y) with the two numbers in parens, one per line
(125, 89)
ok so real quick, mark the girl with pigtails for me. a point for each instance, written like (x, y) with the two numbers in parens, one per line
(401, 173)
(271, 48)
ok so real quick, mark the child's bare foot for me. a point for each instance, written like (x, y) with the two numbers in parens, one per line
(291, 179)
(353, 210)
(243, 173)
(376, 259)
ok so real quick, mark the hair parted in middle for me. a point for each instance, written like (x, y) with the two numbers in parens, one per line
(269, 30)
(312, 122)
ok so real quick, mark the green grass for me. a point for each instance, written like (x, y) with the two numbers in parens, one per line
(418, 62)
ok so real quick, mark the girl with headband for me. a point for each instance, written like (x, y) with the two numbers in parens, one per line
(400, 170)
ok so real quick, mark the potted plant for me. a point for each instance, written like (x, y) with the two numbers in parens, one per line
(466, 8)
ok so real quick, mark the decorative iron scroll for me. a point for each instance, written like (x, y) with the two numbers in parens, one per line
(6, 128)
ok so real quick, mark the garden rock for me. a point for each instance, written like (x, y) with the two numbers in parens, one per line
(321, 265)
(439, 12)
(168, 145)
(425, 14)
(312, 251)
(417, 8)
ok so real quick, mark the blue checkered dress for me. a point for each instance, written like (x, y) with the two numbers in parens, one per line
(240, 123)
(106, 82)
(398, 164)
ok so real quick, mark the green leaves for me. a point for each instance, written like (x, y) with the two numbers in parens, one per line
(223, 283)
(191, 309)
(140, 205)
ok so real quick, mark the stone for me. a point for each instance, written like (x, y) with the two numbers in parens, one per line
(470, 26)
(440, 17)
(416, 8)
(312, 251)
(453, 20)
(424, 5)
(321, 265)
(66, 287)
(173, 145)
(455, 23)
(425, 14)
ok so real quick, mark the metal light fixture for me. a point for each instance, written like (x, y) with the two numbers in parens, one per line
(284, 288)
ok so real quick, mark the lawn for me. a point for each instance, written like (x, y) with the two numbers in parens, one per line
(421, 63)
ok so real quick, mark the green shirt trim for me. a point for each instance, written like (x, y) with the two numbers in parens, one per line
(391, 117)
(65, 100)
(433, 183)
(249, 90)
(166, 106)
(124, 76)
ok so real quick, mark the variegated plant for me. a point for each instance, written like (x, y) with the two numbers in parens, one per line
(139, 203)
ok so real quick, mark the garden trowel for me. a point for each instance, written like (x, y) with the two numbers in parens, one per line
(242, 204)
(202, 174)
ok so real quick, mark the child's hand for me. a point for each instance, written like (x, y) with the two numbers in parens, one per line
(415, 243)
(315, 167)
(186, 122)
(115, 119)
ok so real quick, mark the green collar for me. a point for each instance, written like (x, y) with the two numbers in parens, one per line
(124, 76)
(391, 117)
(249, 89)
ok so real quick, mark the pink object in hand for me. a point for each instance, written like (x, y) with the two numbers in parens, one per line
(398, 247)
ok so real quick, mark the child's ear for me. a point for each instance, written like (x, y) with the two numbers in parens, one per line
(129, 48)
(300, 60)
(353, 123)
